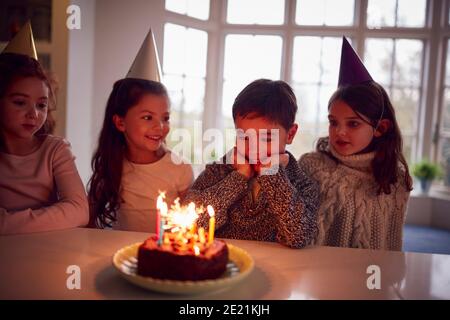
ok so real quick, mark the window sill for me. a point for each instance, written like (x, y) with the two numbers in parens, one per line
(437, 191)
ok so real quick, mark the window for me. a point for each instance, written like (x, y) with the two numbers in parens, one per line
(444, 139)
(299, 41)
(14, 14)
(397, 65)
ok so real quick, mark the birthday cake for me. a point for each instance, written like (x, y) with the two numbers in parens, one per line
(172, 261)
(180, 250)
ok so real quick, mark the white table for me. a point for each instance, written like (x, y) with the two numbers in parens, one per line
(34, 266)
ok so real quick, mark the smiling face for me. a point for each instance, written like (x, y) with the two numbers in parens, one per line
(264, 131)
(348, 133)
(145, 126)
(23, 108)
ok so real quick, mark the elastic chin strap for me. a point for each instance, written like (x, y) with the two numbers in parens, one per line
(379, 120)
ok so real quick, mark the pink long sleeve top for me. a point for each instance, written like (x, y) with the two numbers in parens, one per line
(41, 191)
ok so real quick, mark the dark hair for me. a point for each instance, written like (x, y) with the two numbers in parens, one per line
(104, 185)
(15, 66)
(271, 99)
(372, 101)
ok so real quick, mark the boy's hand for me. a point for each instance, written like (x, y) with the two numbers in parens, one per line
(275, 160)
(241, 164)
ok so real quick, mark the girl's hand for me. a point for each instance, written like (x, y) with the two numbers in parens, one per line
(273, 162)
(241, 164)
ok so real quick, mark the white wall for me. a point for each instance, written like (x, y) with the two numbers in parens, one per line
(80, 73)
(431, 210)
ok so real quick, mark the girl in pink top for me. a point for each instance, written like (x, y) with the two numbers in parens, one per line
(40, 188)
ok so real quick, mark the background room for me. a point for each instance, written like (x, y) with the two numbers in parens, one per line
(210, 49)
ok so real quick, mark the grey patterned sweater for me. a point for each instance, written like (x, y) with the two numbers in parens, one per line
(284, 210)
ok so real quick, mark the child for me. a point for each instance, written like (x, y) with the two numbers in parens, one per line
(40, 189)
(131, 165)
(274, 201)
(363, 176)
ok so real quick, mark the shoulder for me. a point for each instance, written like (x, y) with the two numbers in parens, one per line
(315, 161)
(176, 162)
(56, 147)
(215, 171)
(54, 142)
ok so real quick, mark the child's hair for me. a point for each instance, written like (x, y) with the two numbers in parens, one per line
(274, 100)
(16, 66)
(104, 185)
(372, 101)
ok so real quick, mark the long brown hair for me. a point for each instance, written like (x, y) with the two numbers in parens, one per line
(104, 185)
(372, 101)
(15, 66)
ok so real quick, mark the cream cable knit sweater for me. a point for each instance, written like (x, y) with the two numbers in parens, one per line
(351, 214)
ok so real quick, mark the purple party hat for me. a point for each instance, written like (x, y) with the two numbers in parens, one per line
(352, 70)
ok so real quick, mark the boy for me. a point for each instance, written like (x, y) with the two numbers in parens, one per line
(260, 195)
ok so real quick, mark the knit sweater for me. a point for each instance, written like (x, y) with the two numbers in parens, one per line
(283, 210)
(351, 213)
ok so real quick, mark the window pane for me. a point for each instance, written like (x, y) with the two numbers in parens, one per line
(259, 57)
(174, 44)
(308, 104)
(406, 105)
(381, 13)
(193, 8)
(194, 90)
(196, 50)
(184, 50)
(269, 12)
(396, 13)
(411, 13)
(315, 60)
(446, 111)
(444, 156)
(408, 147)
(408, 62)
(174, 84)
(447, 75)
(306, 59)
(378, 59)
(331, 60)
(325, 12)
(324, 96)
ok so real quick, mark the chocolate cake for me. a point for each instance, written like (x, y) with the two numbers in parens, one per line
(172, 261)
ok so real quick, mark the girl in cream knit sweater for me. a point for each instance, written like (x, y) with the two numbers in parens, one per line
(363, 176)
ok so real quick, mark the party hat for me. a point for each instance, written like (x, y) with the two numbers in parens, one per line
(352, 70)
(23, 42)
(146, 64)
